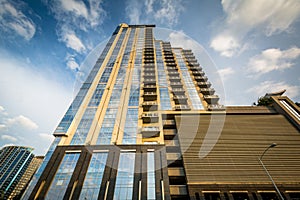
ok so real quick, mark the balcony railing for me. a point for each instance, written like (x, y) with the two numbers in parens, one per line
(150, 131)
(205, 84)
(201, 78)
(150, 96)
(181, 107)
(150, 117)
(207, 91)
(211, 99)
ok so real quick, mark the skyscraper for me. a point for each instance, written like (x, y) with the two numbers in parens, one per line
(26, 177)
(14, 161)
(146, 124)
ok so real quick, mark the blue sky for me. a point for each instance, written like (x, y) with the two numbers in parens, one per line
(254, 46)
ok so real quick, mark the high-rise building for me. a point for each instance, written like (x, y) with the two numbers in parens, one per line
(146, 124)
(14, 160)
(26, 177)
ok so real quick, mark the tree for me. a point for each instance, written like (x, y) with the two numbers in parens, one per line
(264, 101)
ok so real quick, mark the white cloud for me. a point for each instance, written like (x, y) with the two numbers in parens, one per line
(76, 16)
(35, 101)
(9, 137)
(225, 72)
(272, 86)
(76, 7)
(179, 39)
(13, 19)
(165, 12)
(72, 64)
(133, 11)
(243, 17)
(46, 136)
(225, 44)
(1, 109)
(2, 127)
(272, 59)
(73, 42)
(22, 121)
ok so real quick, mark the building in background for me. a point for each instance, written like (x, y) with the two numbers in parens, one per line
(14, 161)
(146, 124)
(26, 177)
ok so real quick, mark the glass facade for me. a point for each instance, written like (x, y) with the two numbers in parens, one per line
(150, 176)
(125, 175)
(125, 108)
(189, 84)
(131, 123)
(93, 178)
(62, 177)
(114, 102)
(38, 173)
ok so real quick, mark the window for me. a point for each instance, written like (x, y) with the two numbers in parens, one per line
(62, 177)
(93, 178)
(150, 176)
(125, 175)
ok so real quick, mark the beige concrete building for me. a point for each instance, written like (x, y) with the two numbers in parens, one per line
(146, 124)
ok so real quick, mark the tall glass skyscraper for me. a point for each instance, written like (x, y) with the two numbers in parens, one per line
(126, 133)
(14, 161)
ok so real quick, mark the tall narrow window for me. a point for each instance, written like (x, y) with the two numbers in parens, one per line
(62, 177)
(150, 176)
(92, 181)
(124, 180)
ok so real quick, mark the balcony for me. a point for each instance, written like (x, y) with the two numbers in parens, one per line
(178, 91)
(174, 78)
(170, 133)
(149, 81)
(150, 117)
(192, 60)
(196, 68)
(150, 106)
(207, 91)
(150, 131)
(149, 87)
(198, 73)
(180, 99)
(172, 69)
(193, 64)
(169, 56)
(170, 73)
(149, 70)
(176, 84)
(171, 64)
(211, 99)
(181, 107)
(205, 84)
(150, 96)
(169, 123)
(216, 107)
(149, 75)
(147, 61)
(201, 78)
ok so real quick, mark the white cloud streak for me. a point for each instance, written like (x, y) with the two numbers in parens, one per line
(243, 17)
(33, 108)
(73, 42)
(272, 86)
(23, 122)
(272, 60)
(12, 19)
(74, 16)
(9, 138)
(164, 12)
(225, 73)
